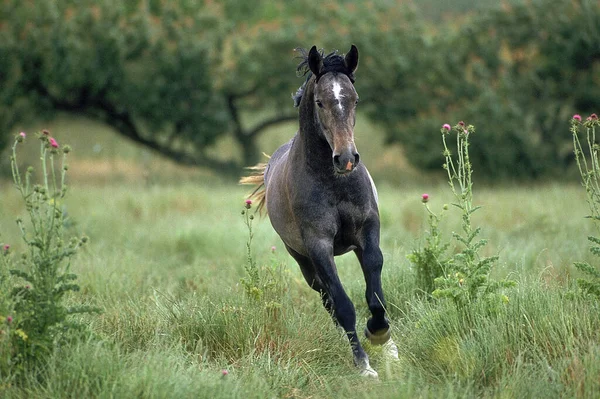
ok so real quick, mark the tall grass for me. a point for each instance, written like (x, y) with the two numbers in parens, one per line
(166, 256)
(165, 262)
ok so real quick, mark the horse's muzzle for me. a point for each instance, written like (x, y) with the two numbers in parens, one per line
(346, 162)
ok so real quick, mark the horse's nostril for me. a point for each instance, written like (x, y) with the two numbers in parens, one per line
(336, 160)
(356, 158)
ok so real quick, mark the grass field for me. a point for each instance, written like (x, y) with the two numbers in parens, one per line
(167, 252)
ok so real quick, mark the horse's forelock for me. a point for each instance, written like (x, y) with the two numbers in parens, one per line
(332, 62)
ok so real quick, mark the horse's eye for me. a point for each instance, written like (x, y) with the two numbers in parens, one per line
(319, 103)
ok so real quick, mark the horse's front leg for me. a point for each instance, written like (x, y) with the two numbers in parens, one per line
(371, 260)
(321, 254)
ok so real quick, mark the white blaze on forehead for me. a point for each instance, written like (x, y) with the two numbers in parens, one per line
(337, 93)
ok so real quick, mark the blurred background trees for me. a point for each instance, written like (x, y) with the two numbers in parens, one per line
(178, 76)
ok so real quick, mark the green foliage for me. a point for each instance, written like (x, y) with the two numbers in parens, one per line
(34, 292)
(517, 72)
(263, 285)
(431, 261)
(588, 160)
(144, 70)
(466, 278)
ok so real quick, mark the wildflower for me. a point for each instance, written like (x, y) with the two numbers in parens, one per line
(593, 117)
(248, 203)
(577, 117)
(425, 198)
(224, 372)
(9, 319)
(447, 127)
(461, 123)
(5, 248)
(53, 142)
(46, 132)
(21, 137)
(273, 249)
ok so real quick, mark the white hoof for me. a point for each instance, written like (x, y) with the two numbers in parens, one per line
(368, 371)
(390, 349)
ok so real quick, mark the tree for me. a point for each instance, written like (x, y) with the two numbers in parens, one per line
(173, 76)
(518, 73)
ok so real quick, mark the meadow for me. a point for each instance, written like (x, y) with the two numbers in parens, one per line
(166, 255)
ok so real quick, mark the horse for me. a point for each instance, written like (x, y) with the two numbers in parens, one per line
(322, 201)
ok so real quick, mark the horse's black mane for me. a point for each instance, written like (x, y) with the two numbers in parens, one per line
(332, 62)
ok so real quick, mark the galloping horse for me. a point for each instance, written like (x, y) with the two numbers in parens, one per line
(322, 201)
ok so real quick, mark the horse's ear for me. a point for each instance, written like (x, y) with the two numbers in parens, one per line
(351, 59)
(315, 61)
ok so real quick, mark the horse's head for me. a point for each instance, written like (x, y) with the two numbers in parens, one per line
(335, 102)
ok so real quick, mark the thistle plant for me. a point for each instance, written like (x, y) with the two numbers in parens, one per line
(588, 162)
(40, 277)
(430, 261)
(251, 282)
(264, 285)
(466, 277)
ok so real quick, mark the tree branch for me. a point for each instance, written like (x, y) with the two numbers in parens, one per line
(271, 122)
(124, 124)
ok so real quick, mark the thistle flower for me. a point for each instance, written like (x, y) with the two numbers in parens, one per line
(447, 127)
(53, 142)
(9, 319)
(248, 203)
(273, 249)
(46, 132)
(577, 117)
(425, 198)
(5, 248)
(224, 372)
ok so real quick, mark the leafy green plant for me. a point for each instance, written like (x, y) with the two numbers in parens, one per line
(588, 162)
(430, 261)
(261, 284)
(466, 277)
(36, 282)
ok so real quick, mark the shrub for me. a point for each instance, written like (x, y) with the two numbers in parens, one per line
(465, 277)
(35, 283)
(588, 161)
(431, 260)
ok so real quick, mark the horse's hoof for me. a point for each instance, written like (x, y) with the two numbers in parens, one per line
(364, 368)
(368, 371)
(390, 349)
(378, 337)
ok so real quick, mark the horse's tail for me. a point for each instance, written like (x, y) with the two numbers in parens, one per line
(256, 178)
